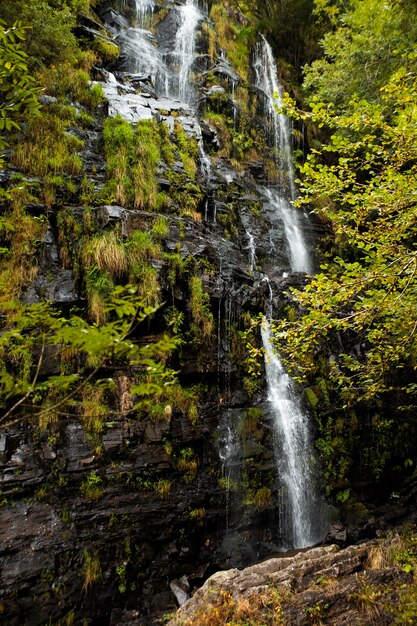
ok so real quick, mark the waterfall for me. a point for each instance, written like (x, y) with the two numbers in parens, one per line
(266, 80)
(144, 11)
(292, 451)
(140, 47)
(184, 49)
(298, 252)
(301, 516)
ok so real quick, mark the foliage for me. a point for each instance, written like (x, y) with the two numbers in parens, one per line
(34, 375)
(92, 488)
(203, 321)
(50, 38)
(253, 357)
(367, 294)
(365, 47)
(18, 88)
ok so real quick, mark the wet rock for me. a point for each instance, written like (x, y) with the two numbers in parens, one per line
(155, 431)
(336, 534)
(52, 283)
(113, 19)
(109, 215)
(257, 169)
(76, 451)
(3, 449)
(44, 99)
(121, 617)
(47, 452)
(223, 69)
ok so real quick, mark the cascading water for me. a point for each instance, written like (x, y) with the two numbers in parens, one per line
(140, 49)
(301, 516)
(184, 49)
(298, 252)
(293, 453)
(300, 512)
(144, 11)
(266, 80)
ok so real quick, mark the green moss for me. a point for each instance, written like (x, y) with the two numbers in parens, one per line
(190, 165)
(48, 148)
(160, 228)
(186, 196)
(187, 145)
(105, 49)
(311, 397)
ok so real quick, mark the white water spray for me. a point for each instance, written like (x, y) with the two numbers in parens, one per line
(292, 448)
(184, 50)
(299, 255)
(267, 82)
(144, 11)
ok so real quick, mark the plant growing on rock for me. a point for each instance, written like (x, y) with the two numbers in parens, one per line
(91, 570)
(38, 389)
(92, 487)
(203, 320)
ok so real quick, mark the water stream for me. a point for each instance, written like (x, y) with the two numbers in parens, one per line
(292, 452)
(144, 11)
(184, 50)
(266, 80)
(301, 517)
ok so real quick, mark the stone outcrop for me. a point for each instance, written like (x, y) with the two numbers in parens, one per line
(324, 585)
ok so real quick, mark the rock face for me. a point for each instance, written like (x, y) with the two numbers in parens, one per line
(103, 526)
(324, 585)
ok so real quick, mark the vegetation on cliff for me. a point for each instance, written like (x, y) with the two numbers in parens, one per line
(349, 336)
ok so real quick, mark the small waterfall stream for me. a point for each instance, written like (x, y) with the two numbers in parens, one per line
(301, 517)
(299, 508)
(144, 11)
(266, 80)
(184, 50)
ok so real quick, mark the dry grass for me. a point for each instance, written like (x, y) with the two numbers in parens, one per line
(163, 488)
(96, 307)
(107, 252)
(258, 609)
(93, 409)
(377, 557)
(92, 570)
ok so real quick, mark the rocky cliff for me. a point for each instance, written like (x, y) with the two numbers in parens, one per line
(112, 514)
(100, 516)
